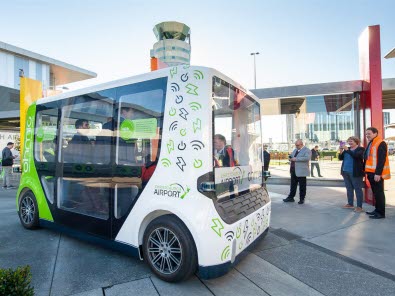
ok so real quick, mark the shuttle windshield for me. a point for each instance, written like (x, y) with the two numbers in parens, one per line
(237, 157)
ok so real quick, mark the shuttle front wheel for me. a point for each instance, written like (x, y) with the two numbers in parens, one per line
(28, 210)
(169, 249)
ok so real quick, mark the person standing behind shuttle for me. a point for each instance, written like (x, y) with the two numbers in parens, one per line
(299, 170)
(377, 169)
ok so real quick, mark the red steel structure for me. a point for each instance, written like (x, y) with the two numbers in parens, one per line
(371, 96)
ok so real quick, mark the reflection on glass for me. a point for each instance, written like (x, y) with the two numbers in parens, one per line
(84, 140)
(237, 137)
(318, 120)
(86, 196)
(45, 131)
(49, 187)
(139, 117)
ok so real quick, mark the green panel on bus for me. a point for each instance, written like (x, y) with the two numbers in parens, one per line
(30, 177)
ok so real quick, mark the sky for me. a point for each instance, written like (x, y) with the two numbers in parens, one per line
(300, 42)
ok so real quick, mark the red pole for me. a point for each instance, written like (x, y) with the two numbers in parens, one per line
(371, 96)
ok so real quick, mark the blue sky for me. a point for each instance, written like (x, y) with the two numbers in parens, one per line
(300, 42)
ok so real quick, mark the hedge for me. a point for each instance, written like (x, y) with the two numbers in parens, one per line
(16, 282)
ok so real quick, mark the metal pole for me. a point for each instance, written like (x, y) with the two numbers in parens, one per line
(254, 54)
(254, 73)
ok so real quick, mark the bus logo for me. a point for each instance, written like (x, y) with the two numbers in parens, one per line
(170, 146)
(217, 227)
(183, 113)
(197, 125)
(197, 145)
(175, 190)
(184, 77)
(173, 126)
(173, 71)
(198, 74)
(230, 235)
(197, 163)
(166, 162)
(28, 144)
(175, 87)
(191, 89)
(195, 106)
(225, 253)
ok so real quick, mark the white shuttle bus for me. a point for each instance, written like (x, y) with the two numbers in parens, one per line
(166, 166)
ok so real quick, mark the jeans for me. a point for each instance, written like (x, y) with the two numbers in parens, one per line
(7, 175)
(316, 165)
(353, 184)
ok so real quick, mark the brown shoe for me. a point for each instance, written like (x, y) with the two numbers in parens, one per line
(347, 206)
(358, 210)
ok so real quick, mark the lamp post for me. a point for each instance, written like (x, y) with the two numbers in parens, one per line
(254, 54)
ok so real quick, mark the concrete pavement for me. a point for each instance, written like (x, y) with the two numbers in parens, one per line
(313, 249)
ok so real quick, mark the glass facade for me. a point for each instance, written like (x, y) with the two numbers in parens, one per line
(39, 72)
(20, 64)
(324, 121)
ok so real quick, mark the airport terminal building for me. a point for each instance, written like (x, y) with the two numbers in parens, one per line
(320, 114)
(16, 62)
(325, 114)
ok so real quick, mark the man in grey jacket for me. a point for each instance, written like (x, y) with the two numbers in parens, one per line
(7, 160)
(299, 170)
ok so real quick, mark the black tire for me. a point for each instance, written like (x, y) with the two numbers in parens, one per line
(169, 249)
(28, 210)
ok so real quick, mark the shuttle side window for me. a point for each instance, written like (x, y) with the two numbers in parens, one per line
(46, 130)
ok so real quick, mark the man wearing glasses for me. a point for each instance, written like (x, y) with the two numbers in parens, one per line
(299, 170)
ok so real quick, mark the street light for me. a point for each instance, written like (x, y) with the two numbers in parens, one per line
(254, 54)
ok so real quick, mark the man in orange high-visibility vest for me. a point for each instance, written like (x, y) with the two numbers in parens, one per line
(377, 169)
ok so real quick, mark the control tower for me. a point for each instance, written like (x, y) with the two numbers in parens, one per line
(173, 46)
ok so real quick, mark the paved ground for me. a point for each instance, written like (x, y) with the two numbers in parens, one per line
(314, 249)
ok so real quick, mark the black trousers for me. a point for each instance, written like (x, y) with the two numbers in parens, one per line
(317, 165)
(378, 192)
(294, 184)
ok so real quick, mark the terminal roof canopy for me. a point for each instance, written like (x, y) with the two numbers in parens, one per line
(334, 93)
(391, 54)
(64, 73)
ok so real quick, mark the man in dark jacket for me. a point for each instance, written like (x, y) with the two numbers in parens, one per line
(79, 149)
(266, 160)
(314, 161)
(377, 169)
(7, 160)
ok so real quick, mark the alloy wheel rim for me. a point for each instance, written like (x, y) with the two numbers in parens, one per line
(28, 210)
(164, 250)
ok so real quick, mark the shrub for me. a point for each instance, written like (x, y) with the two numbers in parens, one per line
(16, 282)
(328, 153)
